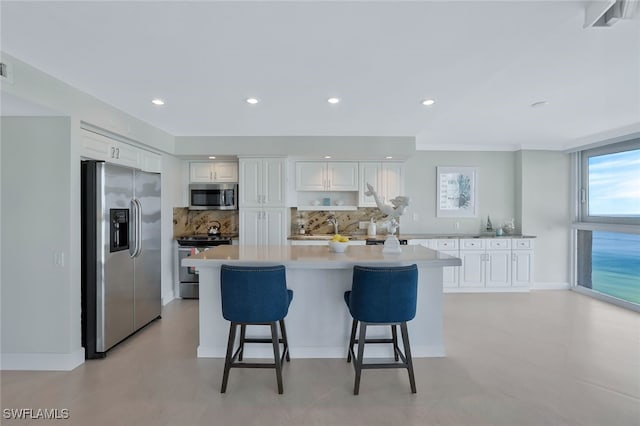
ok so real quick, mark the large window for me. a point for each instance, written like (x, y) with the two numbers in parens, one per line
(608, 226)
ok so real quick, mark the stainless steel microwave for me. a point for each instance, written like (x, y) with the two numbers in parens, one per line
(213, 196)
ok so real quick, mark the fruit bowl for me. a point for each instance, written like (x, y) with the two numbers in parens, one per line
(338, 246)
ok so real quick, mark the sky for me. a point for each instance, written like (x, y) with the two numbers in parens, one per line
(614, 184)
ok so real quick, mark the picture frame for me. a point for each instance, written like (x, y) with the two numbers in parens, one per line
(457, 191)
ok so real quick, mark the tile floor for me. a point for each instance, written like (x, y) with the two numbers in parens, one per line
(544, 358)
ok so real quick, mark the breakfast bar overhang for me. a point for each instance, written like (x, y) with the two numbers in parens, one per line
(318, 322)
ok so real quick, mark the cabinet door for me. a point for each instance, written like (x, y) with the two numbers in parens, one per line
(342, 176)
(368, 174)
(522, 268)
(473, 268)
(251, 226)
(311, 176)
(392, 180)
(275, 227)
(450, 274)
(127, 155)
(225, 172)
(274, 180)
(96, 147)
(250, 185)
(200, 172)
(498, 268)
(150, 162)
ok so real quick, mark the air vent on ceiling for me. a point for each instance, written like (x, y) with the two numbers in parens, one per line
(608, 12)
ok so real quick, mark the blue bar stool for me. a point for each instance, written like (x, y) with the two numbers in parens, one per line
(255, 296)
(382, 296)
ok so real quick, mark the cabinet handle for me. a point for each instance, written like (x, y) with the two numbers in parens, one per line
(113, 152)
(215, 175)
(210, 175)
(118, 152)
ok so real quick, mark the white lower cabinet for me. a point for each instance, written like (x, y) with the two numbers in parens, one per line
(263, 227)
(488, 264)
(447, 246)
(522, 262)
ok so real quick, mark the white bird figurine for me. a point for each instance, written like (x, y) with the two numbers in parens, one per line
(400, 203)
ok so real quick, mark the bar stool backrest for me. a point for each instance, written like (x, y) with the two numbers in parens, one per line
(254, 294)
(384, 294)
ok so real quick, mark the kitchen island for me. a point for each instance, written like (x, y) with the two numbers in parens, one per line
(318, 322)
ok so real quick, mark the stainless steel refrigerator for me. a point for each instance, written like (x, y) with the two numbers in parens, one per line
(120, 254)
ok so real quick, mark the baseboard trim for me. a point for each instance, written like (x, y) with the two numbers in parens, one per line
(371, 351)
(550, 286)
(486, 290)
(41, 361)
(170, 298)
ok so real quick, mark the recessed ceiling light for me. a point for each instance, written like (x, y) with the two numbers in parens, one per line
(212, 158)
(428, 102)
(252, 101)
(327, 156)
(157, 101)
(538, 104)
(333, 100)
(388, 157)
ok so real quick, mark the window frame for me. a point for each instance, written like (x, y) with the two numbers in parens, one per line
(583, 180)
(582, 220)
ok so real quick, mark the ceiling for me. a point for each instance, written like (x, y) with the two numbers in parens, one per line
(484, 63)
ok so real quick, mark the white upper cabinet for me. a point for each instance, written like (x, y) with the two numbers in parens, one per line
(326, 176)
(387, 178)
(262, 182)
(213, 172)
(99, 147)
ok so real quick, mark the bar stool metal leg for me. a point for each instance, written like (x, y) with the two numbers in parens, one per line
(276, 355)
(394, 334)
(227, 360)
(243, 330)
(360, 357)
(407, 353)
(285, 342)
(352, 339)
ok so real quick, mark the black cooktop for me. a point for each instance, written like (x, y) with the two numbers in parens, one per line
(205, 240)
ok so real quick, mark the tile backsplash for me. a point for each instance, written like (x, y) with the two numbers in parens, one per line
(315, 222)
(189, 222)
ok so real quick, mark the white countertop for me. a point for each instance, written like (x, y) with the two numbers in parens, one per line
(318, 257)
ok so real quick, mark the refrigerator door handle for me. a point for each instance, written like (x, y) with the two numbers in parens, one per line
(133, 229)
(138, 227)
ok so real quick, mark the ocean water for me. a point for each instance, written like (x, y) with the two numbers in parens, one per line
(616, 265)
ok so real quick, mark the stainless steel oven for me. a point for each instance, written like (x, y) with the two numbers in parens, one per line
(188, 277)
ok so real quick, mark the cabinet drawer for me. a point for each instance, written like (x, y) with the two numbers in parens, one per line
(523, 244)
(472, 244)
(499, 244)
(447, 244)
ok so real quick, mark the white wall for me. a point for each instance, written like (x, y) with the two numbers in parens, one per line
(546, 212)
(62, 155)
(496, 190)
(40, 310)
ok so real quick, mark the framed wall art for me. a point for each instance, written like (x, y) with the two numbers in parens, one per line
(457, 192)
